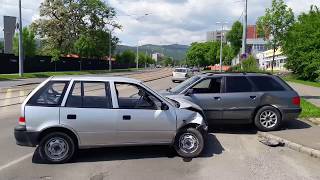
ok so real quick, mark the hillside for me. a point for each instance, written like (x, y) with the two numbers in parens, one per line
(176, 51)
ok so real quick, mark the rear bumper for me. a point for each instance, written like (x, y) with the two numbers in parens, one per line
(24, 137)
(290, 113)
(179, 78)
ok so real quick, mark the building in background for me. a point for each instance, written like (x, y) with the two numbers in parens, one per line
(216, 35)
(255, 44)
(157, 57)
(9, 26)
(265, 60)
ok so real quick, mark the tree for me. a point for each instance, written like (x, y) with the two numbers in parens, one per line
(276, 22)
(1, 47)
(250, 64)
(234, 36)
(302, 45)
(168, 61)
(63, 23)
(128, 57)
(208, 53)
(28, 42)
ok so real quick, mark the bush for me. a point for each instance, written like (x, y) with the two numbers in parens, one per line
(248, 65)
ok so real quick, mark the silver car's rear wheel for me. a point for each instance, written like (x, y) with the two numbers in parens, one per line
(268, 119)
(57, 147)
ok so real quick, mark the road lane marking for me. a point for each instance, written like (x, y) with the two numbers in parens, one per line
(15, 161)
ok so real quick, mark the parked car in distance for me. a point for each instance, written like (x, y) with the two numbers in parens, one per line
(64, 114)
(264, 100)
(181, 74)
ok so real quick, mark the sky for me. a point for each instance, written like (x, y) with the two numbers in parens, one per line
(168, 21)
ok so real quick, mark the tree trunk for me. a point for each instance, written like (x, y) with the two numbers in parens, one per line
(274, 52)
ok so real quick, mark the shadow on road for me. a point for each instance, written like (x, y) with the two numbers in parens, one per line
(233, 128)
(295, 124)
(212, 147)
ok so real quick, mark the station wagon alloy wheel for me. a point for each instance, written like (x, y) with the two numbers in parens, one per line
(188, 143)
(56, 148)
(268, 119)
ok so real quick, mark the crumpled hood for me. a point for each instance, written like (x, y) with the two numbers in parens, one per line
(184, 104)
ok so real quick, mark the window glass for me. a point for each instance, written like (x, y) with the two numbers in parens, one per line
(90, 95)
(182, 86)
(131, 96)
(212, 85)
(238, 84)
(49, 95)
(180, 70)
(265, 83)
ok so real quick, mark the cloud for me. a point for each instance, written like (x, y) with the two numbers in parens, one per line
(169, 21)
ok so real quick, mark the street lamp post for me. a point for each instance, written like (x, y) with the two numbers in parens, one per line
(110, 64)
(221, 42)
(20, 43)
(137, 57)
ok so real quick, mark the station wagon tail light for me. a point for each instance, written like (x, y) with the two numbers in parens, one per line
(22, 121)
(296, 101)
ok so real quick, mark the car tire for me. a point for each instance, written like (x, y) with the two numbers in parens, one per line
(189, 143)
(57, 148)
(267, 118)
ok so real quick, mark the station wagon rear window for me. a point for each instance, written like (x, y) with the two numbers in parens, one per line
(50, 94)
(265, 83)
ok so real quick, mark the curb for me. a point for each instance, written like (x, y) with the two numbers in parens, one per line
(315, 121)
(294, 146)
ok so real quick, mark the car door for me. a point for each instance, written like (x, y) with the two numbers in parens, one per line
(239, 99)
(88, 110)
(140, 119)
(207, 94)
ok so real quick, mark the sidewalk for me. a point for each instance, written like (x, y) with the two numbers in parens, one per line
(310, 93)
(298, 135)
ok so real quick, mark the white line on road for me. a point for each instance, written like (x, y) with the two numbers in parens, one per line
(15, 161)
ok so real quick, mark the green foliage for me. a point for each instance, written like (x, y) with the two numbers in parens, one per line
(127, 56)
(68, 25)
(208, 53)
(250, 65)
(276, 22)
(309, 110)
(234, 36)
(168, 61)
(28, 43)
(1, 46)
(302, 46)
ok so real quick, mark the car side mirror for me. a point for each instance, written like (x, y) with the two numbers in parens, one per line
(189, 92)
(164, 106)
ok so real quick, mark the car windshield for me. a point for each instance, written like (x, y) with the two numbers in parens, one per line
(180, 70)
(184, 84)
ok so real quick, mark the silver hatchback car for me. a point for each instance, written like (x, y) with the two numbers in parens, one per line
(64, 114)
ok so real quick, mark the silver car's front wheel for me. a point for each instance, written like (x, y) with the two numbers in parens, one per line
(267, 118)
(57, 147)
(189, 143)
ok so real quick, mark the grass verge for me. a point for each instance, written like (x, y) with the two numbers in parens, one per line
(4, 77)
(309, 110)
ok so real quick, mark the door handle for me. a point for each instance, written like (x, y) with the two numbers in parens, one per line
(71, 116)
(126, 117)
(217, 98)
(253, 97)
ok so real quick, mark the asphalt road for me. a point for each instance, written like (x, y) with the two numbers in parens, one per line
(231, 152)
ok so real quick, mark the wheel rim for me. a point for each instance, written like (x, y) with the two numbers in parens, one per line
(188, 143)
(268, 119)
(56, 148)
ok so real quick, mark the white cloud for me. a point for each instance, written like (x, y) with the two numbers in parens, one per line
(169, 21)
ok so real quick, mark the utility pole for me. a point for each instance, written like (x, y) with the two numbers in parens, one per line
(110, 64)
(20, 43)
(221, 39)
(137, 57)
(244, 32)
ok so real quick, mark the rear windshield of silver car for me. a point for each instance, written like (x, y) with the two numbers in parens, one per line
(180, 70)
